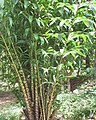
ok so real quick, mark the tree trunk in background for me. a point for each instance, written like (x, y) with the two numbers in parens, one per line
(87, 61)
(76, 81)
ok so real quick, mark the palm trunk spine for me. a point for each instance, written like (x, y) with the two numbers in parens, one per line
(20, 81)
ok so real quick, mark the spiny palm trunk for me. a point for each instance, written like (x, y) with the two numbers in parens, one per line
(38, 105)
(23, 84)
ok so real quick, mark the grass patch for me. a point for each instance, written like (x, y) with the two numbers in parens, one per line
(79, 105)
(10, 111)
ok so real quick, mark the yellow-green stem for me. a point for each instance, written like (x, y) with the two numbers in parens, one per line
(20, 81)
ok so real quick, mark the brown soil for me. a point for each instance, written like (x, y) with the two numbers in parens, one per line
(7, 97)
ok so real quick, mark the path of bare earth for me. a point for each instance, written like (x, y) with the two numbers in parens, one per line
(7, 97)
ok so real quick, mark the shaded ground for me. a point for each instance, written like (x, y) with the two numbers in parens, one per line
(6, 97)
(9, 108)
(79, 105)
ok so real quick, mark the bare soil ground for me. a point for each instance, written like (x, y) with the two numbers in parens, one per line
(6, 97)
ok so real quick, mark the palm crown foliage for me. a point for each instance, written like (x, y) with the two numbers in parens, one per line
(41, 44)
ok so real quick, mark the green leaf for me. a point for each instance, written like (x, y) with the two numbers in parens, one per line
(42, 40)
(70, 64)
(50, 50)
(27, 31)
(90, 40)
(78, 19)
(67, 5)
(36, 36)
(26, 3)
(53, 20)
(30, 18)
(44, 52)
(1, 12)
(38, 22)
(80, 53)
(70, 52)
(73, 35)
(88, 22)
(73, 55)
(21, 42)
(8, 31)
(62, 23)
(15, 1)
(11, 22)
(94, 46)
(84, 36)
(1, 46)
(1, 3)
(60, 36)
(75, 8)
